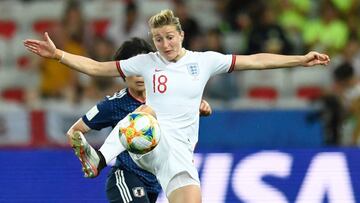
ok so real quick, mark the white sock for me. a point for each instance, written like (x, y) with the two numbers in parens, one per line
(112, 146)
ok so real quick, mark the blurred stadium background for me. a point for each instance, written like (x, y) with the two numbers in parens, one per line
(275, 136)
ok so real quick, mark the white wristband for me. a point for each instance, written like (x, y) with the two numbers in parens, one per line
(62, 56)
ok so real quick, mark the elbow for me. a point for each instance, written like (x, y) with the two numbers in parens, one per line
(69, 132)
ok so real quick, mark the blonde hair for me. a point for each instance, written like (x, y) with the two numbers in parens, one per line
(165, 17)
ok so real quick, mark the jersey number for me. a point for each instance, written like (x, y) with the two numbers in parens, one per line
(159, 83)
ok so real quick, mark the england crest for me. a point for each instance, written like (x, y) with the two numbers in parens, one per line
(193, 69)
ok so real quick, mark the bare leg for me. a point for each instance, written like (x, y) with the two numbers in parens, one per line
(186, 194)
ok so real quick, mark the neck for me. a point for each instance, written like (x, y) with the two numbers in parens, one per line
(138, 95)
(180, 55)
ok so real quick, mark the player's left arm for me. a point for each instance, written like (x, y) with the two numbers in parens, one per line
(271, 61)
(205, 108)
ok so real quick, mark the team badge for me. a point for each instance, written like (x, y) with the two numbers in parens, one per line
(193, 69)
(138, 192)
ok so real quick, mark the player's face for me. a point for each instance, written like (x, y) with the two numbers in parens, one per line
(168, 41)
(135, 83)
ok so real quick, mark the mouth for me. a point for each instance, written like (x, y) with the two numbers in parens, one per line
(167, 52)
(140, 83)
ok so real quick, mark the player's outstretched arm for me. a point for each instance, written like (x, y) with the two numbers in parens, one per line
(46, 48)
(271, 61)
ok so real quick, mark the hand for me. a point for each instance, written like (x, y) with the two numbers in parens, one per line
(44, 48)
(314, 58)
(205, 109)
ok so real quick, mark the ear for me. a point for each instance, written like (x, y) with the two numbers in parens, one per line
(182, 35)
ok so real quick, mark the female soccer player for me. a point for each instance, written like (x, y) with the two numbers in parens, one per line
(174, 79)
(126, 181)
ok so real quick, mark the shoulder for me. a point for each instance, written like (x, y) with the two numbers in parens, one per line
(141, 59)
(204, 53)
(120, 95)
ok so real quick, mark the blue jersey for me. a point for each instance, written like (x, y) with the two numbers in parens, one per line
(110, 111)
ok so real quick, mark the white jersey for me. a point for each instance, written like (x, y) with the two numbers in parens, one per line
(174, 89)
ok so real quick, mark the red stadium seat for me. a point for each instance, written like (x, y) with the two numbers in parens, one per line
(14, 94)
(309, 92)
(40, 26)
(265, 85)
(7, 28)
(263, 93)
(309, 83)
(100, 26)
(23, 62)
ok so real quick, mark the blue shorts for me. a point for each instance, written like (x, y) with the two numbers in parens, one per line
(123, 186)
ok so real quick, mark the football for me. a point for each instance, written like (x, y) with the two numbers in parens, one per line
(139, 132)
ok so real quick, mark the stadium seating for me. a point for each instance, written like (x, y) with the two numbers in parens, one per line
(309, 83)
(50, 15)
(100, 14)
(264, 85)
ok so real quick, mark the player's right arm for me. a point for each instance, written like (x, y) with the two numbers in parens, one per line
(79, 125)
(47, 49)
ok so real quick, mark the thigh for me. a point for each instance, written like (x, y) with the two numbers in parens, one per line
(123, 186)
(186, 194)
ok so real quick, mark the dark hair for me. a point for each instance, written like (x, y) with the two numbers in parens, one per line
(133, 47)
(343, 72)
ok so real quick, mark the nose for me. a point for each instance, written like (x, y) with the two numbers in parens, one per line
(166, 43)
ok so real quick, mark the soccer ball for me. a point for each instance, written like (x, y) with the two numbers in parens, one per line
(139, 132)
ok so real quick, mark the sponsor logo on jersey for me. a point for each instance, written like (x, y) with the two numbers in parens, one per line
(138, 192)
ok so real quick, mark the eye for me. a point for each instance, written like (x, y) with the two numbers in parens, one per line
(170, 37)
(158, 39)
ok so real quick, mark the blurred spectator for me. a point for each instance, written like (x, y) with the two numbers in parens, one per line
(130, 25)
(331, 113)
(347, 88)
(217, 84)
(231, 10)
(292, 18)
(350, 54)
(189, 25)
(329, 33)
(57, 81)
(266, 34)
(95, 88)
(213, 41)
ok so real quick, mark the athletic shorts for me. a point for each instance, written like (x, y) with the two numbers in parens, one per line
(123, 186)
(169, 158)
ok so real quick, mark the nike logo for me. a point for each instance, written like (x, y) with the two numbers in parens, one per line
(158, 70)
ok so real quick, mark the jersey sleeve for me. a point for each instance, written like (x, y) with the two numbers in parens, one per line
(132, 66)
(99, 116)
(219, 63)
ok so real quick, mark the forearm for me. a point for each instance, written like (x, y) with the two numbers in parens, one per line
(267, 61)
(86, 65)
(79, 125)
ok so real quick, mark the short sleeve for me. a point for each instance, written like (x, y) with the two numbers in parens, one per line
(219, 63)
(133, 66)
(99, 116)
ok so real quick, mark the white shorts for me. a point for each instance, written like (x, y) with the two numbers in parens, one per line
(180, 180)
(168, 159)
